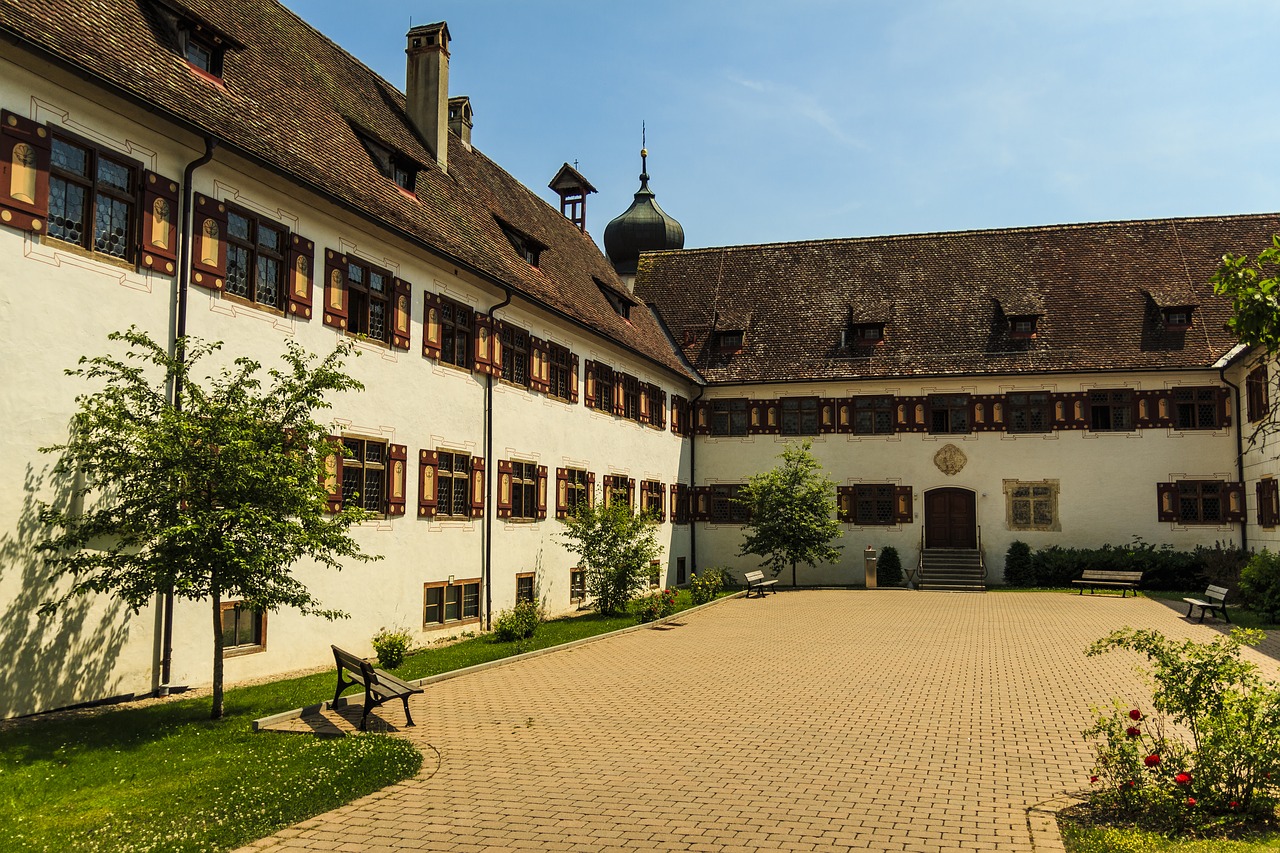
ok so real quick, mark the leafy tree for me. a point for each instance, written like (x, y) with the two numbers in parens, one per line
(215, 499)
(616, 546)
(1254, 289)
(792, 513)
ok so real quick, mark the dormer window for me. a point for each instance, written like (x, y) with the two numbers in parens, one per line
(863, 335)
(393, 165)
(1023, 327)
(620, 303)
(196, 40)
(525, 246)
(730, 340)
(1177, 319)
(203, 55)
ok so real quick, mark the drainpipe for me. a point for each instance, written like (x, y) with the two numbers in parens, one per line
(693, 525)
(184, 275)
(1235, 392)
(486, 560)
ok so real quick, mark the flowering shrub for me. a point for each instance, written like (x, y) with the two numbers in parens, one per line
(518, 623)
(655, 605)
(1221, 769)
(391, 646)
(706, 585)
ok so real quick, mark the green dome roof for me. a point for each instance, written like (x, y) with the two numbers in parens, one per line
(644, 227)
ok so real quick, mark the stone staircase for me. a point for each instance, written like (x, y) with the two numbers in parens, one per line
(952, 570)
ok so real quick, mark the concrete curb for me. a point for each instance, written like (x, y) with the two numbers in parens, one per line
(264, 722)
(1042, 823)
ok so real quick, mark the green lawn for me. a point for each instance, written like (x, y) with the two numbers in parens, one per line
(166, 778)
(1080, 839)
(1240, 617)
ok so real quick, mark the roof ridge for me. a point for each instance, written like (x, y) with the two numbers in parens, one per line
(1019, 229)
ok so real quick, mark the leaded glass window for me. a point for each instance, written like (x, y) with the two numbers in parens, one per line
(255, 259)
(452, 488)
(873, 415)
(515, 355)
(1029, 413)
(949, 413)
(364, 474)
(1195, 408)
(799, 415)
(728, 417)
(92, 198)
(1111, 411)
(368, 293)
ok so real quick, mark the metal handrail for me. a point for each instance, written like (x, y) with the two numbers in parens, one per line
(982, 556)
(919, 562)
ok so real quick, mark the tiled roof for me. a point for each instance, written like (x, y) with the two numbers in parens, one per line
(292, 99)
(945, 297)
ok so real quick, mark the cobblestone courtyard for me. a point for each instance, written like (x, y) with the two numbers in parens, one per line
(810, 720)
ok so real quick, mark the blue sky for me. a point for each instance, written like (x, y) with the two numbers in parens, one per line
(802, 120)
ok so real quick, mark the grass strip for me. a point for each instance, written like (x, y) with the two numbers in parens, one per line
(164, 777)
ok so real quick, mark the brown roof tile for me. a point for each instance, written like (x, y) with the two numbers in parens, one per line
(944, 297)
(293, 99)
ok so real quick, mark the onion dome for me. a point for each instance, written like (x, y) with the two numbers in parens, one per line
(644, 227)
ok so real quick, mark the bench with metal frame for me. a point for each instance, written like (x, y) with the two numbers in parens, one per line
(1095, 578)
(379, 686)
(1214, 601)
(757, 583)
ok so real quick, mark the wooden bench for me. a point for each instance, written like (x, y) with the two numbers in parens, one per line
(1096, 578)
(379, 686)
(756, 582)
(1214, 601)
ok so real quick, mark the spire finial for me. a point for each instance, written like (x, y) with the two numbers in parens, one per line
(644, 158)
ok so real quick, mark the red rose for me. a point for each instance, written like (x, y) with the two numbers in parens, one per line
(1233, 804)
(1191, 801)
(1135, 714)
(1151, 760)
(1131, 783)
(1093, 778)
(1132, 731)
(1183, 778)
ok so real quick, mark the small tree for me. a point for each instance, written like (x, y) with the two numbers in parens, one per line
(616, 546)
(216, 499)
(792, 513)
(1253, 286)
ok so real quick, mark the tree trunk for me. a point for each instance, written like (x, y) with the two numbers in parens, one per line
(216, 713)
(793, 575)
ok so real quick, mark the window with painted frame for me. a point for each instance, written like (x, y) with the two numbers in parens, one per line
(524, 491)
(630, 397)
(515, 355)
(457, 326)
(561, 372)
(725, 507)
(369, 301)
(604, 380)
(651, 498)
(1031, 505)
(1201, 502)
(1028, 412)
(244, 629)
(453, 486)
(1111, 410)
(1268, 494)
(256, 258)
(450, 603)
(525, 587)
(873, 415)
(618, 488)
(93, 197)
(577, 490)
(1196, 408)
(799, 415)
(364, 474)
(729, 417)
(949, 414)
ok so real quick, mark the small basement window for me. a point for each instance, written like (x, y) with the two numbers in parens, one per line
(1177, 319)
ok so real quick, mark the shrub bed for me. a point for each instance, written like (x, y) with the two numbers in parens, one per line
(1162, 566)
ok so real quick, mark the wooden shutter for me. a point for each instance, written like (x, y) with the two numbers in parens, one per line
(401, 309)
(631, 493)
(844, 503)
(911, 414)
(1153, 409)
(542, 491)
(646, 402)
(335, 289)
(674, 498)
(24, 173)
(398, 461)
(302, 260)
(158, 234)
(661, 397)
(591, 488)
(209, 243)
(902, 505)
(428, 483)
(1167, 501)
(331, 477)
(591, 384)
(986, 412)
(482, 344)
(562, 493)
(1233, 495)
(432, 326)
(1069, 411)
(700, 503)
(662, 501)
(827, 415)
(701, 418)
(1224, 406)
(505, 474)
(620, 391)
(540, 365)
(573, 378)
(477, 486)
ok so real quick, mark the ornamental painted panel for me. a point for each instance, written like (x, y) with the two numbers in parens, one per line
(950, 460)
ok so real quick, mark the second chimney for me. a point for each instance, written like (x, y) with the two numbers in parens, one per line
(426, 87)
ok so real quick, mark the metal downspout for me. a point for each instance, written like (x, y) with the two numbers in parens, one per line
(184, 275)
(1235, 392)
(486, 558)
(693, 525)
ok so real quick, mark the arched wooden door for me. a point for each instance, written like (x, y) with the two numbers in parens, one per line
(950, 519)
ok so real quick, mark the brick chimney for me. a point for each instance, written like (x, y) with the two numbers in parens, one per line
(460, 118)
(426, 87)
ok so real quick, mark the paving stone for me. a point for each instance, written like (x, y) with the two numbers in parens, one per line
(809, 720)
